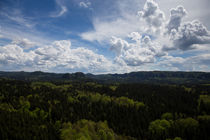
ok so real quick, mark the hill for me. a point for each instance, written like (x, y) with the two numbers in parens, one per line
(155, 77)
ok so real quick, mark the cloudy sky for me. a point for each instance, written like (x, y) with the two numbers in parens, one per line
(104, 36)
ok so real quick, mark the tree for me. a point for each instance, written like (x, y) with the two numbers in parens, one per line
(159, 129)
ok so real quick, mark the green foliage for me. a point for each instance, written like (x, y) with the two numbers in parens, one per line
(167, 116)
(204, 104)
(104, 99)
(25, 104)
(113, 87)
(7, 107)
(41, 110)
(204, 126)
(186, 128)
(88, 130)
(38, 85)
(188, 123)
(159, 129)
(176, 138)
(205, 118)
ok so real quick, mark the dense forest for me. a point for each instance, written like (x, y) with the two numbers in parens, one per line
(154, 77)
(74, 107)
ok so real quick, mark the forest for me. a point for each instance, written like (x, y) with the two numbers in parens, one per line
(85, 109)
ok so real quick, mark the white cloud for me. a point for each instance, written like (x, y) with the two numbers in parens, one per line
(85, 4)
(18, 17)
(197, 9)
(24, 43)
(142, 51)
(189, 36)
(103, 30)
(127, 21)
(198, 62)
(154, 36)
(137, 42)
(176, 16)
(152, 17)
(118, 45)
(62, 9)
(13, 55)
(57, 56)
(114, 18)
(152, 14)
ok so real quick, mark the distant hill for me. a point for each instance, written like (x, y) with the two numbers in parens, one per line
(156, 77)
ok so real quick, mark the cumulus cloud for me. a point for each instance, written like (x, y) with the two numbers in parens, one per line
(152, 43)
(118, 45)
(176, 15)
(190, 35)
(142, 51)
(85, 4)
(152, 14)
(24, 43)
(58, 55)
(14, 55)
(148, 48)
(138, 44)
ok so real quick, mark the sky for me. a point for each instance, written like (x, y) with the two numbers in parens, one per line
(104, 36)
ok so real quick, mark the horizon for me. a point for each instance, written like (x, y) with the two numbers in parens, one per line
(104, 37)
(105, 73)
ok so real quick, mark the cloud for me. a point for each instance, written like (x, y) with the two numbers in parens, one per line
(176, 16)
(103, 30)
(148, 41)
(198, 62)
(1, 36)
(143, 40)
(18, 17)
(84, 4)
(197, 9)
(13, 55)
(113, 18)
(24, 43)
(118, 45)
(126, 21)
(60, 54)
(190, 35)
(142, 51)
(21, 27)
(152, 15)
(55, 57)
(62, 9)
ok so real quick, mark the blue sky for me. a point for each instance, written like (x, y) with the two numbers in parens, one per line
(100, 36)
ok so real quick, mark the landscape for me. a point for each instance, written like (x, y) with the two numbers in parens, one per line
(104, 70)
(133, 106)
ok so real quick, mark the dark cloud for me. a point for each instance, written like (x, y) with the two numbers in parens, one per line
(190, 34)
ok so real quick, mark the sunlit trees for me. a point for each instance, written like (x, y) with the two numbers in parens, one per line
(159, 129)
(89, 130)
